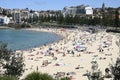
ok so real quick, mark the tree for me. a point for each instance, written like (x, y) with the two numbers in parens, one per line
(30, 20)
(68, 19)
(117, 24)
(38, 76)
(104, 20)
(76, 19)
(11, 62)
(4, 12)
(60, 19)
(115, 69)
(31, 11)
(14, 67)
(4, 52)
(9, 15)
(95, 74)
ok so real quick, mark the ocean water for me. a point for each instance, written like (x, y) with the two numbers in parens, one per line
(25, 39)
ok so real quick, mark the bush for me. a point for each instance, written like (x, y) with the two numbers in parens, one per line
(38, 76)
(65, 78)
(115, 68)
(4, 52)
(8, 78)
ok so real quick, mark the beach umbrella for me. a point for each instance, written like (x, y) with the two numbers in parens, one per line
(80, 46)
(77, 46)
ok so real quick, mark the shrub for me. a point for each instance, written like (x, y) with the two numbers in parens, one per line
(11, 62)
(115, 68)
(38, 76)
(65, 78)
(8, 78)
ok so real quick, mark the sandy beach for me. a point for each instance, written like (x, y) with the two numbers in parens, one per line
(72, 56)
(4, 27)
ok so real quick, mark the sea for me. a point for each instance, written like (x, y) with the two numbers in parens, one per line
(26, 39)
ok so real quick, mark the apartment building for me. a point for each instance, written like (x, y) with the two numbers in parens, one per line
(4, 20)
(78, 10)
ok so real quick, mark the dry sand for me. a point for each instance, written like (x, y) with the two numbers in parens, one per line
(65, 62)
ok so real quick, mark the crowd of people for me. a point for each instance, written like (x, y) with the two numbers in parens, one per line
(74, 53)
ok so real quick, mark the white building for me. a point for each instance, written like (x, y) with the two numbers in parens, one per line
(88, 11)
(78, 10)
(36, 14)
(4, 20)
(69, 10)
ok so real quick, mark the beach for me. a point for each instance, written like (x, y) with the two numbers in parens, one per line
(4, 27)
(73, 55)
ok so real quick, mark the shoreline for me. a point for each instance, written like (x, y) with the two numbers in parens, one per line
(4, 27)
(59, 60)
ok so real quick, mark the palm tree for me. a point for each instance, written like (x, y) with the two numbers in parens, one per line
(38, 76)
